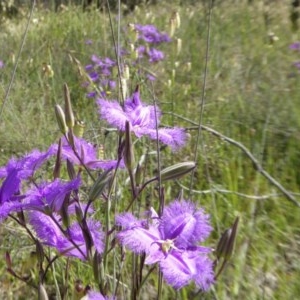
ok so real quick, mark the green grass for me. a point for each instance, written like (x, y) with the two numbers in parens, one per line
(251, 97)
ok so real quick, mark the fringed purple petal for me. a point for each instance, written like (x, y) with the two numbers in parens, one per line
(135, 235)
(173, 137)
(184, 223)
(113, 113)
(180, 268)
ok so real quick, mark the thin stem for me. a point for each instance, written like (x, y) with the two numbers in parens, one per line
(256, 165)
(199, 133)
(17, 59)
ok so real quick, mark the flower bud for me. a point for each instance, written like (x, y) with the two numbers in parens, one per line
(178, 46)
(128, 149)
(176, 16)
(57, 166)
(47, 70)
(61, 119)
(124, 88)
(138, 174)
(70, 120)
(42, 294)
(176, 171)
(78, 129)
(126, 72)
(99, 185)
(71, 170)
(172, 27)
(226, 243)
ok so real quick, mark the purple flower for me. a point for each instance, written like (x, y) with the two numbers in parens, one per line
(49, 195)
(28, 164)
(297, 65)
(88, 154)
(171, 241)
(295, 46)
(141, 118)
(1, 64)
(9, 191)
(150, 34)
(153, 54)
(92, 295)
(49, 232)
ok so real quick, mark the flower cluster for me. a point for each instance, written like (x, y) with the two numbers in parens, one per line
(151, 35)
(171, 241)
(50, 204)
(102, 72)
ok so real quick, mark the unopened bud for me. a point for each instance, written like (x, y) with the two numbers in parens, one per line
(70, 120)
(126, 72)
(227, 241)
(176, 171)
(71, 170)
(188, 66)
(138, 174)
(128, 148)
(57, 166)
(78, 129)
(47, 70)
(176, 17)
(178, 46)
(99, 185)
(42, 294)
(61, 119)
(172, 27)
(124, 87)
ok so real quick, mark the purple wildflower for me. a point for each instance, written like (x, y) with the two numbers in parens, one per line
(295, 46)
(1, 64)
(297, 65)
(141, 118)
(150, 34)
(9, 191)
(153, 54)
(93, 295)
(49, 195)
(88, 154)
(28, 164)
(99, 72)
(49, 232)
(171, 241)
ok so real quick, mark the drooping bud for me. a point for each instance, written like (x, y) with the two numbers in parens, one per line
(61, 119)
(176, 171)
(70, 120)
(128, 148)
(99, 185)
